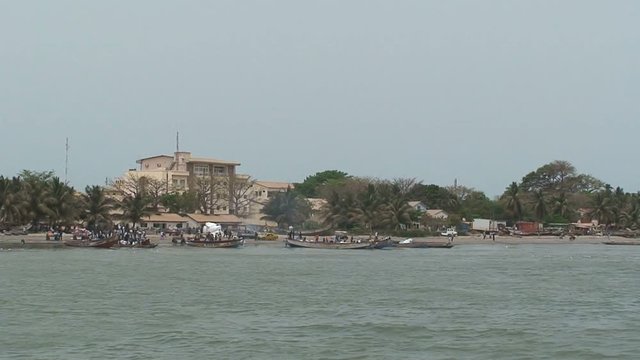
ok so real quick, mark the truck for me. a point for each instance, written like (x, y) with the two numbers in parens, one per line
(486, 225)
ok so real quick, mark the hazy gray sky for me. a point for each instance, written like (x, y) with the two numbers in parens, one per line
(481, 91)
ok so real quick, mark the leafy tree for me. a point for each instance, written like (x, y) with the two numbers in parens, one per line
(436, 197)
(309, 187)
(287, 209)
(477, 205)
(180, 202)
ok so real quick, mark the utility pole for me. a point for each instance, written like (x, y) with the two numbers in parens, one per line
(66, 162)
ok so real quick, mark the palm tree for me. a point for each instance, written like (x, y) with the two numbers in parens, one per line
(397, 212)
(631, 216)
(12, 203)
(287, 208)
(540, 205)
(341, 211)
(368, 211)
(514, 205)
(602, 209)
(561, 205)
(63, 204)
(97, 207)
(135, 207)
(38, 196)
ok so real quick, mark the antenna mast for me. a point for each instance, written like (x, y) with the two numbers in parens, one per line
(177, 141)
(66, 161)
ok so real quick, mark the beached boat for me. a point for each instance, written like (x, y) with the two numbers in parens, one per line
(328, 245)
(98, 244)
(411, 244)
(621, 242)
(137, 245)
(385, 243)
(229, 243)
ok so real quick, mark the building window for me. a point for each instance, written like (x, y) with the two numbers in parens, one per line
(201, 170)
(219, 170)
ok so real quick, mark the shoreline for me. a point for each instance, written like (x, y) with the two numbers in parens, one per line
(38, 241)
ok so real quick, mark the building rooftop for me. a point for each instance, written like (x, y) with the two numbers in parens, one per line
(154, 157)
(218, 219)
(211, 161)
(274, 184)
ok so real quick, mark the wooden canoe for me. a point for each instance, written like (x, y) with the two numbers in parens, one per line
(233, 243)
(328, 245)
(427, 244)
(98, 244)
(137, 246)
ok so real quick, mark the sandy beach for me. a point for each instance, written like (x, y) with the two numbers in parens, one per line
(39, 240)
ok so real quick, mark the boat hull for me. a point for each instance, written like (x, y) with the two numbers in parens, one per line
(100, 244)
(621, 242)
(326, 245)
(426, 244)
(137, 246)
(216, 244)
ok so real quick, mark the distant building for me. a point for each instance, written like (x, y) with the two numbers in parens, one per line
(182, 172)
(418, 206)
(261, 193)
(437, 214)
(317, 210)
(167, 221)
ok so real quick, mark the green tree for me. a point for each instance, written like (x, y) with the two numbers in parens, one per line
(63, 206)
(311, 184)
(180, 203)
(97, 208)
(631, 215)
(135, 208)
(12, 202)
(513, 203)
(287, 209)
(37, 195)
(602, 208)
(562, 208)
(436, 197)
(540, 205)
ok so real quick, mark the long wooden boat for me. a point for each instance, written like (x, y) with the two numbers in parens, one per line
(98, 244)
(383, 244)
(137, 246)
(328, 245)
(621, 242)
(426, 244)
(232, 243)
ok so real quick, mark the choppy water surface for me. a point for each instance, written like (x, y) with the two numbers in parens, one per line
(469, 302)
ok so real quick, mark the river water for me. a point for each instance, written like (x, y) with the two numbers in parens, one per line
(266, 302)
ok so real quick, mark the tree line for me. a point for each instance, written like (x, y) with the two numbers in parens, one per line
(553, 193)
(42, 200)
